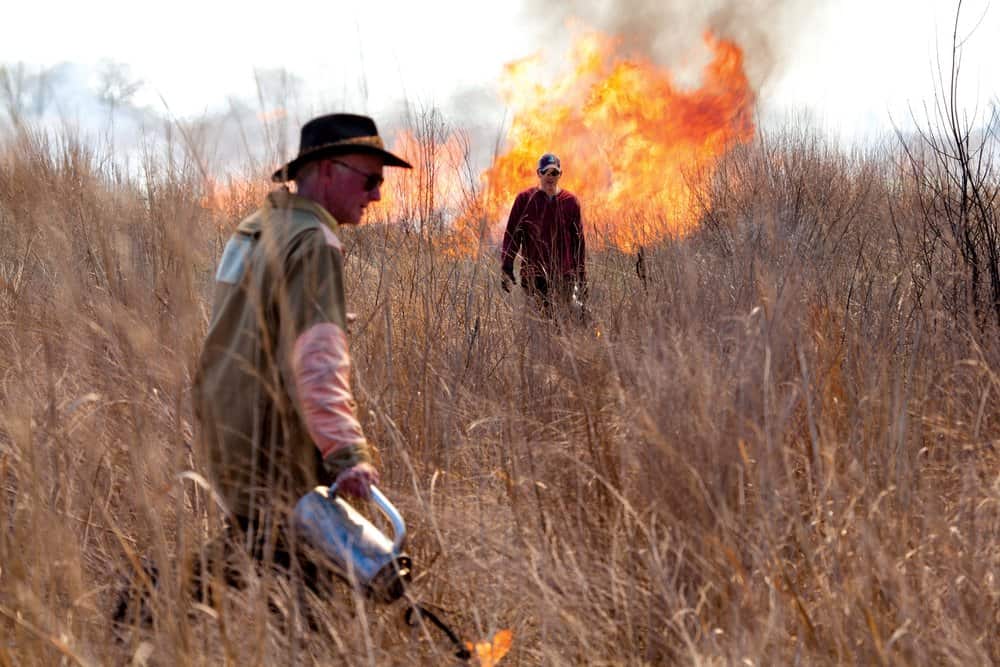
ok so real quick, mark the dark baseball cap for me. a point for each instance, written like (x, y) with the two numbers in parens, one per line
(548, 160)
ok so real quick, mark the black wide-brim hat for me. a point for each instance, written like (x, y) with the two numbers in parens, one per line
(337, 134)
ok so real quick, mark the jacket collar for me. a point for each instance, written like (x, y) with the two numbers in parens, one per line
(283, 199)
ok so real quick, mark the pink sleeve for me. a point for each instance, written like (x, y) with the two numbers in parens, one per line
(322, 367)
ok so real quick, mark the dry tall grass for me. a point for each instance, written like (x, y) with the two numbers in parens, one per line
(780, 449)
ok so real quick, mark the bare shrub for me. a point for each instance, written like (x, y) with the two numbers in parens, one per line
(955, 181)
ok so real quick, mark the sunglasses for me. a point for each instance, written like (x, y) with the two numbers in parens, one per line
(550, 172)
(372, 181)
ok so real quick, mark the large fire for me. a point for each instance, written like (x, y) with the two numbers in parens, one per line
(637, 149)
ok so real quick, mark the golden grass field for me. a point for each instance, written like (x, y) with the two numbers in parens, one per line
(780, 448)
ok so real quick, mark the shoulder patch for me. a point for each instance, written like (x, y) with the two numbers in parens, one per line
(233, 264)
(331, 238)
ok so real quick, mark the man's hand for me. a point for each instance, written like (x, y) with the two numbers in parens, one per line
(357, 480)
(508, 280)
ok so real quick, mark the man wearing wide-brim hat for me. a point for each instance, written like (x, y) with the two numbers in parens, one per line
(274, 408)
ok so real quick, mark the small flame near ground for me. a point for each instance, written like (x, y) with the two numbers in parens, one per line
(488, 653)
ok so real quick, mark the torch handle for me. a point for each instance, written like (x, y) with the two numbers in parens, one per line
(388, 509)
(391, 513)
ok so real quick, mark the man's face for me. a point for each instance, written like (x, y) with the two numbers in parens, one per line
(549, 177)
(347, 184)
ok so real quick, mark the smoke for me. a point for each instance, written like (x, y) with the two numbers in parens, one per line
(92, 101)
(670, 31)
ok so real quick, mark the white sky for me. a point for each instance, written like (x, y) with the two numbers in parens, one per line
(864, 59)
(856, 59)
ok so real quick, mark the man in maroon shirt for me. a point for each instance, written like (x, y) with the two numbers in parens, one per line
(545, 228)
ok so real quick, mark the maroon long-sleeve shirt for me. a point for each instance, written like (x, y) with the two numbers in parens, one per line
(548, 233)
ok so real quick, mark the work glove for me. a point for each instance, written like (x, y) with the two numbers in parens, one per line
(508, 280)
(357, 480)
(351, 470)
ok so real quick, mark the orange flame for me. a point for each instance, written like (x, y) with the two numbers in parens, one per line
(636, 149)
(491, 651)
(231, 199)
(433, 192)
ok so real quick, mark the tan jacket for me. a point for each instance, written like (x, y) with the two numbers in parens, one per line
(272, 394)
